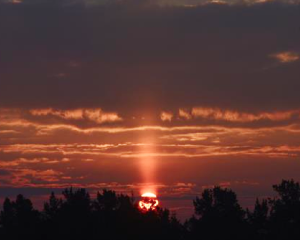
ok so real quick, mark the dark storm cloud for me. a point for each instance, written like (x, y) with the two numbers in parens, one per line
(132, 57)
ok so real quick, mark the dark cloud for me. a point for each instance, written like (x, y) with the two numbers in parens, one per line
(131, 58)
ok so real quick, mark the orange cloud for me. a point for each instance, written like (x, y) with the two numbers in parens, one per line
(184, 114)
(27, 177)
(16, 1)
(166, 116)
(132, 151)
(286, 57)
(96, 115)
(235, 116)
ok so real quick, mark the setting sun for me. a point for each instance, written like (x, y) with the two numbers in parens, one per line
(148, 194)
(148, 202)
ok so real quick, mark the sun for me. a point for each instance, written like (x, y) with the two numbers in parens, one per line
(149, 195)
(149, 202)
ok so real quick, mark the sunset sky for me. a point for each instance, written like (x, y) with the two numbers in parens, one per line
(167, 96)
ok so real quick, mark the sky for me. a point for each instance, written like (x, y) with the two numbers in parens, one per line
(167, 96)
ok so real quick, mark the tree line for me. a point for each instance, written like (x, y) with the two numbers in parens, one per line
(217, 215)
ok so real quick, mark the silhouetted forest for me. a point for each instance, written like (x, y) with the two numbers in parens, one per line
(218, 215)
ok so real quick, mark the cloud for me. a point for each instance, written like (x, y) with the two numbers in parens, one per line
(235, 116)
(184, 114)
(164, 65)
(202, 146)
(166, 116)
(26, 177)
(286, 57)
(95, 115)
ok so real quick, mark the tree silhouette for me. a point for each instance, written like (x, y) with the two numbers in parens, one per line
(8, 215)
(285, 211)
(71, 217)
(218, 215)
(52, 208)
(18, 218)
(258, 220)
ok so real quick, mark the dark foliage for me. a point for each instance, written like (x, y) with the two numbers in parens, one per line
(218, 215)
